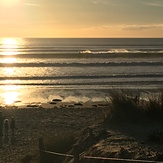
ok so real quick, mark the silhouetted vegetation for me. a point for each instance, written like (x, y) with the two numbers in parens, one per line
(127, 107)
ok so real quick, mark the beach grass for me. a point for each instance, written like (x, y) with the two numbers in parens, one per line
(127, 107)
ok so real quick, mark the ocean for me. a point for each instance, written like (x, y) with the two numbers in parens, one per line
(77, 69)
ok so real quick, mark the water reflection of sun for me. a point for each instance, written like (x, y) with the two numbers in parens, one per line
(9, 71)
(9, 46)
(8, 60)
(10, 94)
(9, 42)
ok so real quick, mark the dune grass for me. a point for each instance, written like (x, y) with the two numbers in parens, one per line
(127, 107)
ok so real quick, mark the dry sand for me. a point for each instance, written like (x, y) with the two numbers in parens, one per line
(36, 120)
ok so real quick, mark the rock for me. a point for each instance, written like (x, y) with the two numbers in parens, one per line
(52, 102)
(78, 104)
(56, 100)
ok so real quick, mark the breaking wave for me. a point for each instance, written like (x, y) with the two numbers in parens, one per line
(132, 51)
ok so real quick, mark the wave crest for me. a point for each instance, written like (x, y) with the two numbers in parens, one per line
(85, 52)
(118, 51)
(110, 51)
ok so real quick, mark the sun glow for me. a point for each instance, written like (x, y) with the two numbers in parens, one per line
(9, 2)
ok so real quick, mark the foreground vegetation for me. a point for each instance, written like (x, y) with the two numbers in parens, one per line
(124, 107)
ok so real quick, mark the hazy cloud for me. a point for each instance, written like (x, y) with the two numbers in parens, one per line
(153, 3)
(127, 27)
(102, 1)
(142, 27)
(32, 4)
(98, 27)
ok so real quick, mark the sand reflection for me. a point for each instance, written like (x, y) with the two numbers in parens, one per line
(10, 94)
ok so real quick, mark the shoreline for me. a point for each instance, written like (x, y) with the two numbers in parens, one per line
(22, 96)
(88, 99)
(57, 103)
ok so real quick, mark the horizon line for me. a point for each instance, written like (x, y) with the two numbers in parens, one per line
(86, 37)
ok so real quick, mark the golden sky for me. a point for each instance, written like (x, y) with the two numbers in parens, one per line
(81, 18)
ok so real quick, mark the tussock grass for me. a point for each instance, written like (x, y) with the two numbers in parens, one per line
(126, 107)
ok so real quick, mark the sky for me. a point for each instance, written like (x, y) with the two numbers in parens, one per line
(81, 18)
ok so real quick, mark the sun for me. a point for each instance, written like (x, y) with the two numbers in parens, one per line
(9, 2)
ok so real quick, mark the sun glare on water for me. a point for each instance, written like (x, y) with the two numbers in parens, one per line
(9, 46)
(8, 60)
(9, 71)
(9, 41)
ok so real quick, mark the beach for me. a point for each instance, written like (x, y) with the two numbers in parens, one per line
(35, 122)
(120, 140)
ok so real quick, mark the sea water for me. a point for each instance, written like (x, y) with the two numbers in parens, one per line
(77, 69)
